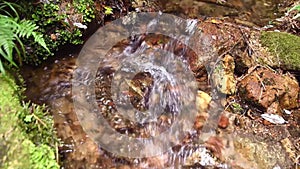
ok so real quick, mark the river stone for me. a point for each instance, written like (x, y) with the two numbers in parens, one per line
(223, 76)
(214, 36)
(263, 87)
(202, 101)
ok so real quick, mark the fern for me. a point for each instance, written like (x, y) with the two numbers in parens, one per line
(12, 31)
(11, 6)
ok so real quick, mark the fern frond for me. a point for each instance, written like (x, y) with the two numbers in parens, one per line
(12, 30)
(2, 68)
(6, 43)
(12, 6)
(8, 50)
(38, 38)
(7, 38)
(26, 29)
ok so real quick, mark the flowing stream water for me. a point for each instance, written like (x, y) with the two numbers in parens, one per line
(141, 86)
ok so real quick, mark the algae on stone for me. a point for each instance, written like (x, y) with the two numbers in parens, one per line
(284, 47)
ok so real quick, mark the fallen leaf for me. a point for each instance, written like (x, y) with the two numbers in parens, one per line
(287, 111)
(273, 118)
(215, 21)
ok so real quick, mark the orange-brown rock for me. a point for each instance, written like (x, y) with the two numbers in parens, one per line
(215, 144)
(266, 122)
(223, 121)
(214, 36)
(263, 87)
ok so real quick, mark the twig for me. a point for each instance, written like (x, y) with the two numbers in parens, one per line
(263, 86)
(38, 119)
(296, 161)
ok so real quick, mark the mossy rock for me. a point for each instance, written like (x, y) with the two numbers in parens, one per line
(18, 147)
(285, 49)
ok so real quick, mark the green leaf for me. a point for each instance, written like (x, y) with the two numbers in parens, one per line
(108, 10)
(28, 118)
(2, 68)
(296, 7)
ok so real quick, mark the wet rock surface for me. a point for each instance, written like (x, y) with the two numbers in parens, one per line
(258, 154)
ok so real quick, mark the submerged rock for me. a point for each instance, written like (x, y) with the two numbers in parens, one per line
(202, 101)
(264, 87)
(223, 121)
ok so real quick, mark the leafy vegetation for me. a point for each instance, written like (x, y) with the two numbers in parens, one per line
(12, 31)
(61, 22)
(108, 10)
(27, 138)
(37, 124)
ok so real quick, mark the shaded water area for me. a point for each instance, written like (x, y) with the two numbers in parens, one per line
(51, 83)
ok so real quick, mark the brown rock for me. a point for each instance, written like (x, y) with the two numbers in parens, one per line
(213, 36)
(266, 122)
(200, 120)
(273, 108)
(290, 99)
(263, 87)
(215, 144)
(198, 125)
(223, 121)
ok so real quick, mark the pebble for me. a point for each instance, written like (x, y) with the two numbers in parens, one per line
(202, 101)
(223, 122)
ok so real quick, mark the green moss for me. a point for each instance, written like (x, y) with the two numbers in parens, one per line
(285, 47)
(24, 142)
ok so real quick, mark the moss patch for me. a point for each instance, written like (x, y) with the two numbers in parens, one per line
(27, 139)
(285, 47)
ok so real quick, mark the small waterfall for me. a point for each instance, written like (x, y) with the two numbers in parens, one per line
(148, 104)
